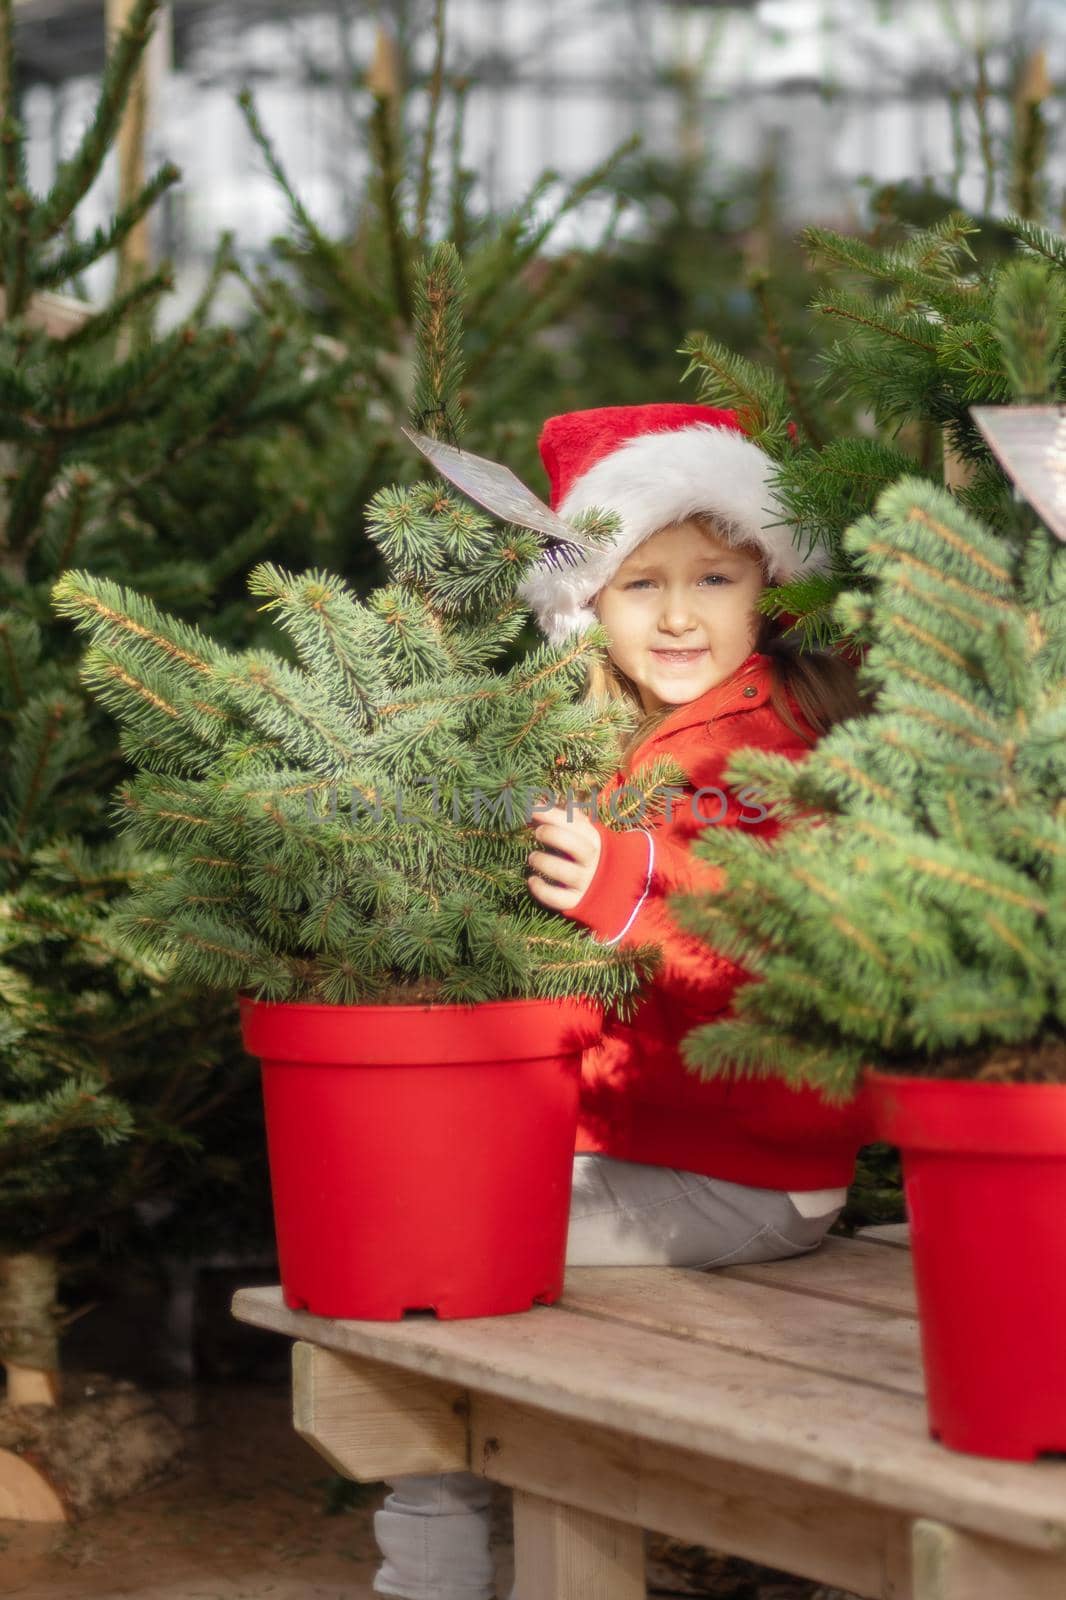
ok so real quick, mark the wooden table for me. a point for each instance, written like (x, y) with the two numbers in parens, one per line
(773, 1412)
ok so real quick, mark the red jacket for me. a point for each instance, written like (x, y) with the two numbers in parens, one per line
(639, 1101)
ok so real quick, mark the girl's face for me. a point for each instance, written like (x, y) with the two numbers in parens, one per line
(680, 614)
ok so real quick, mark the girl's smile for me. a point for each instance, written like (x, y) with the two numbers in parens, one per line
(677, 658)
(680, 613)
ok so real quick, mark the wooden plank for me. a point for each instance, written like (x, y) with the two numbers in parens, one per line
(896, 1234)
(760, 1516)
(562, 1553)
(851, 1272)
(31, 1386)
(134, 249)
(861, 1441)
(758, 1319)
(951, 1565)
(25, 1493)
(371, 1421)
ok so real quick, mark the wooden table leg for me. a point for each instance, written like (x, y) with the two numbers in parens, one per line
(952, 1565)
(565, 1554)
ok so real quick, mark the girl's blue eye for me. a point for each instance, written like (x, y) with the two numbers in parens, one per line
(708, 577)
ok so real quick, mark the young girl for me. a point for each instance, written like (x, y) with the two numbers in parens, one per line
(670, 1171)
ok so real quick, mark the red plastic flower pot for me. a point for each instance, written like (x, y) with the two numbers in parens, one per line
(984, 1174)
(420, 1156)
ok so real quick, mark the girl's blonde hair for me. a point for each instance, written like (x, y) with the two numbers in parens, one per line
(819, 685)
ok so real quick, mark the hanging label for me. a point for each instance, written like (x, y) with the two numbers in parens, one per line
(497, 489)
(1029, 442)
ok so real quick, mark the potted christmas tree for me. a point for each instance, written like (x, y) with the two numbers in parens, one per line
(344, 835)
(170, 461)
(912, 933)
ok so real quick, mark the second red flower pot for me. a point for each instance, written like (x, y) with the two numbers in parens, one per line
(420, 1156)
(984, 1174)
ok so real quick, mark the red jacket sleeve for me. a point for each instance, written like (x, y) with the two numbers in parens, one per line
(639, 869)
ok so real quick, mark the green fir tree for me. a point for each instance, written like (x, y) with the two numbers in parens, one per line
(352, 827)
(145, 457)
(913, 916)
(917, 347)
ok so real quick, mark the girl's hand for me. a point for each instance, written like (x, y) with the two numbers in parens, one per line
(573, 871)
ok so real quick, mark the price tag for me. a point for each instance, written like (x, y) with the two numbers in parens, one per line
(1029, 442)
(497, 489)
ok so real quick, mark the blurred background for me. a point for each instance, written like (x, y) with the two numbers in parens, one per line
(820, 98)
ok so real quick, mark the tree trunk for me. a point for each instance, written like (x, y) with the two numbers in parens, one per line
(29, 1328)
(133, 251)
(63, 1455)
(958, 473)
(105, 1440)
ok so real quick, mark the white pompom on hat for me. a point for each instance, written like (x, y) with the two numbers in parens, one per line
(654, 466)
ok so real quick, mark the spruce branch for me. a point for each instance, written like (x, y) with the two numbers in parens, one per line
(107, 612)
(20, 649)
(82, 1104)
(140, 299)
(826, 489)
(429, 141)
(522, 238)
(332, 257)
(1029, 326)
(460, 178)
(136, 379)
(495, 266)
(50, 730)
(726, 379)
(929, 270)
(942, 248)
(1029, 157)
(562, 283)
(801, 410)
(17, 207)
(39, 468)
(12, 155)
(747, 1049)
(79, 254)
(440, 290)
(327, 868)
(77, 174)
(1037, 240)
(141, 466)
(335, 637)
(811, 601)
(223, 261)
(906, 329)
(919, 915)
(386, 144)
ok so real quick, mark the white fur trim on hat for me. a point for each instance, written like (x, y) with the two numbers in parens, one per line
(654, 481)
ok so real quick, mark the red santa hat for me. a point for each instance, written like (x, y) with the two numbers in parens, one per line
(653, 466)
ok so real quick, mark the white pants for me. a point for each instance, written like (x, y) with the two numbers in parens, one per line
(433, 1530)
